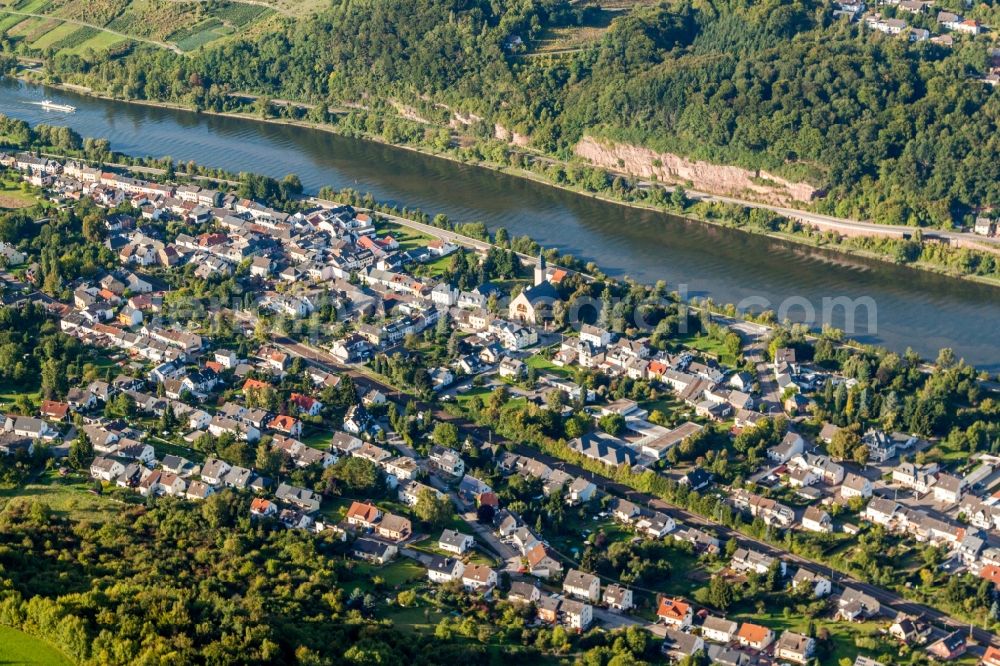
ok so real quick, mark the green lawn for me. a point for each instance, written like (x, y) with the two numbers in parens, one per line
(667, 404)
(945, 455)
(17, 647)
(709, 346)
(407, 238)
(163, 447)
(400, 571)
(403, 570)
(9, 393)
(437, 267)
(102, 359)
(542, 364)
(334, 509)
(414, 618)
(514, 403)
(466, 396)
(316, 437)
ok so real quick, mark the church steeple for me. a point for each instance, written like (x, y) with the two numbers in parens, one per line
(540, 269)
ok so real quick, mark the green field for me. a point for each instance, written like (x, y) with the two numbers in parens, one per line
(193, 37)
(38, 29)
(57, 34)
(239, 15)
(17, 647)
(75, 38)
(99, 42)
(32, 6)
(71, 27)
(68, 496)
(23, 27)
(8, 21)
(11, 196)
(416, 618)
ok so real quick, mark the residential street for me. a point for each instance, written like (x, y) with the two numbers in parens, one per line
(482, 436)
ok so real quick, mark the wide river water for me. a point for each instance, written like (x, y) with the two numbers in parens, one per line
(914, 308)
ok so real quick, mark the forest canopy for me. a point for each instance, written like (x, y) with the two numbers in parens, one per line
(893, 131)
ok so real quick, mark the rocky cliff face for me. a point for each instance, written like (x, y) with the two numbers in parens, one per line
(669, 168)
(504, 134)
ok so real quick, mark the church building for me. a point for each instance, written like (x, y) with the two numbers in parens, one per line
(534, 304)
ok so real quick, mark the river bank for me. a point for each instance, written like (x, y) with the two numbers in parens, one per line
(915, 308)
(806, 236)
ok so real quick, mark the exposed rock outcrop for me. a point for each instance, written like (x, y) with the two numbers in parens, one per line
(669, 168)
(504, 134)
(410, 113)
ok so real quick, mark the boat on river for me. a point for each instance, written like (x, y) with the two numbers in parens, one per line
(49, 105)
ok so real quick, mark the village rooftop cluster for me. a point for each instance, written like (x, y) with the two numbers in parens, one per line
(170, 372)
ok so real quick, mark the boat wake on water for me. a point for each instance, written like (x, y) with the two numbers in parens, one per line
(49, 105)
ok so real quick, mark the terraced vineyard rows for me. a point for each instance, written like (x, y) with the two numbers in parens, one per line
(74, 27)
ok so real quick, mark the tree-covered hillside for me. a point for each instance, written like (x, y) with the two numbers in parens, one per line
(893, 131)
(172, 585)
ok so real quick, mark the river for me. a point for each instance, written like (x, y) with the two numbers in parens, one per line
(915, 309)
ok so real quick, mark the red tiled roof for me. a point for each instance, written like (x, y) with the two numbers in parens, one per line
(657, 367)
(302, 401)
(752, 633)
(992, 657)
(283, 422)
(991, 573)
(55, 409)
(363, 511)
(254, 384)
(673, 609)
